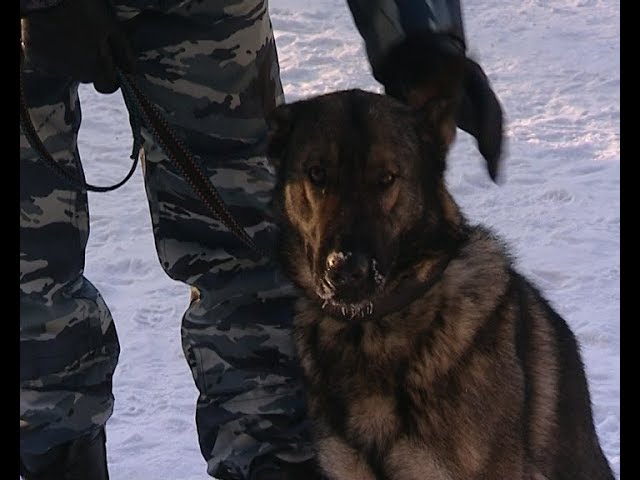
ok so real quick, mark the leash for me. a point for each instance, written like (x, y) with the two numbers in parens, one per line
(144, 112)
(34, 140)
(180, 156)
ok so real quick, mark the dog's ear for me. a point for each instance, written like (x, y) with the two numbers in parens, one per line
(279, 124)
(422, 66)
(428, 65)
(427, 72)
(437, 118)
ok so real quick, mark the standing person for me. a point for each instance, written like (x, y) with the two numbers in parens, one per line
(211, 68)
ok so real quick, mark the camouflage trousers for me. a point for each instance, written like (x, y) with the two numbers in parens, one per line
(211, 67)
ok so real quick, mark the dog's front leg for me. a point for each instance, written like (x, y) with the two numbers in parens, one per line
(339, 461)
(408, 461)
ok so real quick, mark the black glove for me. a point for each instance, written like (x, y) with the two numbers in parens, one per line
(426, 63)
(80, 39)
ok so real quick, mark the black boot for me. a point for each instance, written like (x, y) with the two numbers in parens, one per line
(84, 458)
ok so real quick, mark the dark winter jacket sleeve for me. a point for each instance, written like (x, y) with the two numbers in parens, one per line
(385, 23)
(28, 6)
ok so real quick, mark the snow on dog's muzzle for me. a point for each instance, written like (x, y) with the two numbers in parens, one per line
(348, 269)
(350, 277)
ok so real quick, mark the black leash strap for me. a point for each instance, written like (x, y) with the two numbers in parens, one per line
(176, 151)
(34, 140)
(144, 111)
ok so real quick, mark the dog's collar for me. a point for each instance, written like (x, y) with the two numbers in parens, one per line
(404, 292)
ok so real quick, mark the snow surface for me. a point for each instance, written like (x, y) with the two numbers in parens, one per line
(556, 68)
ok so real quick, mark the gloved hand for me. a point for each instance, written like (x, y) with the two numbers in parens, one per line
(80, 39)
(436, 62)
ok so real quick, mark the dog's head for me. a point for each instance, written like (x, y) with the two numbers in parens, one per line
(360, 191)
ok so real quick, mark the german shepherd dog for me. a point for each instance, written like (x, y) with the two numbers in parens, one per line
(426, 355)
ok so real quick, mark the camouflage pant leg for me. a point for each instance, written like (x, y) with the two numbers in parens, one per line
(212, 68)
(68, 343)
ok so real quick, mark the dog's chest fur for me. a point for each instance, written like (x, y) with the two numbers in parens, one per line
(378, 383)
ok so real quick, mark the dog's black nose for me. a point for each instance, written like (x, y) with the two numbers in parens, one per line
(348, 268)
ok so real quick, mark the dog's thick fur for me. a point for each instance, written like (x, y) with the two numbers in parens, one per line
(430, 357)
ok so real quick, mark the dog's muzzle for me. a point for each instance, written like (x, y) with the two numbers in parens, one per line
(350, 277)
(348, 269)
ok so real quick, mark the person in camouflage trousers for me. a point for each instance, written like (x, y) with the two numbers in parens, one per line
(211, 68)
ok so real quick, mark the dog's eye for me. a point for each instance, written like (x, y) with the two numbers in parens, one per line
(317, 175)
(386, 180)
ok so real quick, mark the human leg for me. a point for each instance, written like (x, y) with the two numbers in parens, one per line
(68, 342)
(212, 69)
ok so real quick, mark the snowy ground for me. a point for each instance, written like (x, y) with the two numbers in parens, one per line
(554, 65)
